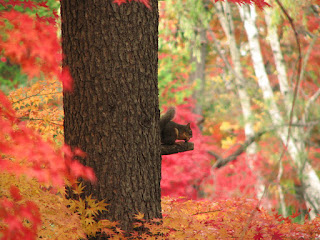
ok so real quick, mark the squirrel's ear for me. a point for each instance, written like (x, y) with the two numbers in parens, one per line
(176, 132)
(188, 125)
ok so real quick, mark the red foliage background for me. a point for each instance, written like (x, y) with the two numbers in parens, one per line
(183, 173)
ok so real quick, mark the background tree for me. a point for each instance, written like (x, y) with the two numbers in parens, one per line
(113, 111)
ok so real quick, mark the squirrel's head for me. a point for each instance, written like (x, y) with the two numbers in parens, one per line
(189, 129)
(188, 133)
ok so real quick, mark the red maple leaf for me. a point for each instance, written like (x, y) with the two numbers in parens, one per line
(43, 4)
(29, 4)
(15, 193)
(277, 236)
(66, 79)
(119, 2)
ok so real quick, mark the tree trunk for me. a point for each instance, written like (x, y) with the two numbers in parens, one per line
(226, 21)
(198, 59)
(225, 18)
(279, 60)
(113, 112)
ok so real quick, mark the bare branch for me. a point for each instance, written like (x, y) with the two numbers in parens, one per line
(38, 119)
(242, 148)
(35, 95)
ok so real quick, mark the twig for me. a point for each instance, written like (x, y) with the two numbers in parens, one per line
(212, 211)
(35, 95)
(296, 88)
(38, 119)
(295, 93)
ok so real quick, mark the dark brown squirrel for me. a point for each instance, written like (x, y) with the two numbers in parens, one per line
(171, 131)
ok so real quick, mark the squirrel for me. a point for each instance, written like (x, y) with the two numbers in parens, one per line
(171, 131)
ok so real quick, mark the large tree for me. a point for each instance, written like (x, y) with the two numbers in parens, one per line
(113, 112)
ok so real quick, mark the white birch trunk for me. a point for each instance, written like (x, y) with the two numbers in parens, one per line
(296, 148)
(226, 21)
(279, 61)
(200, 67)
(227, 24)
(284, 88)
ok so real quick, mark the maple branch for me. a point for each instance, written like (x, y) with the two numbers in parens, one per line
(38, 119)
(28, 97)
(35, 95)
(176, 148)
(212, 211)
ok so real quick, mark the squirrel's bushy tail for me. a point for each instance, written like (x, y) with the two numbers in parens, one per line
(167, 117)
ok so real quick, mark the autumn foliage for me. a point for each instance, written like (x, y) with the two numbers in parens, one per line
(36, 165)
(34, 170)
(238, 218)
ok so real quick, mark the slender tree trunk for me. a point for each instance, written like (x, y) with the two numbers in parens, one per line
(279, 60)
(296, 146)
(113, 112)
(199, 61)
(284, 88)
(226, 21)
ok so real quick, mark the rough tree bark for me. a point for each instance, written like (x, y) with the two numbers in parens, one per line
(113, 112)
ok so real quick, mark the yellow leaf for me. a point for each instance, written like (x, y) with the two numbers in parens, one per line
(89, 221)
(139, 216)
(228, 142)
(78, 188)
